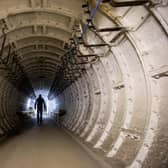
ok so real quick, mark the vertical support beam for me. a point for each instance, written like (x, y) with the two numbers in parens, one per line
(34, 29)
(36, 47)
(32, 3)
(44, 29)
(44, 3)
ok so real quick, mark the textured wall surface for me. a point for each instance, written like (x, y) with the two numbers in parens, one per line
(114, 88)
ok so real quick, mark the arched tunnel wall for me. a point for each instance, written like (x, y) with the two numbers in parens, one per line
(11, 103)
(119, 103)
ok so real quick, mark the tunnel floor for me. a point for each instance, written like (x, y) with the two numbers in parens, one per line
(43, 147)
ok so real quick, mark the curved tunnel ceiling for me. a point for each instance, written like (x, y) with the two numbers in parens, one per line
(107, 63)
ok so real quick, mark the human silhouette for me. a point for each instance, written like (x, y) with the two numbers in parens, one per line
(40, 105)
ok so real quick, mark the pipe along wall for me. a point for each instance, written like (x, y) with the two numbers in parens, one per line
(117, 103)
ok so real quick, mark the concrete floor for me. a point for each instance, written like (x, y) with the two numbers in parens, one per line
(44, 147)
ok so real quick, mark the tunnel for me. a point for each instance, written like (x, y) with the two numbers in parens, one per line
(104, 62)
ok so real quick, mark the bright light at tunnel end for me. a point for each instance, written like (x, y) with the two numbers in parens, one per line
(52, 104)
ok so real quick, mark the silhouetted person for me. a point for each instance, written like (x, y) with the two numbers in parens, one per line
(40, 105)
